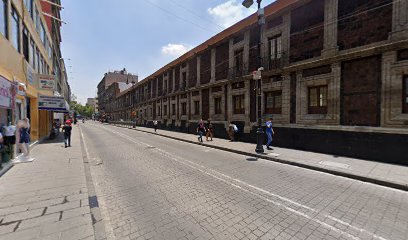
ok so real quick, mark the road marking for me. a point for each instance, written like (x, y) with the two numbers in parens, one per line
(183, 161)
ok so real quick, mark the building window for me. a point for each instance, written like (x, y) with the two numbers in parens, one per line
(43, 35)
(239, 104)
(405, 94)
(217, 105)
(37, 20)
(3, 18)
(26, 50)
(184, 80)
(37, 59)
(275, 47)
(15, 29)
(317, 100)
(196, 107)
(183, 108)
(239, 62)
(29, 5)
(158, 111)
(41, 65)
(273, 102)
(164, 110)
(32, 53)
(173, 109)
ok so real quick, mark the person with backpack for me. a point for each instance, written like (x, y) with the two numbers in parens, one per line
(210, 130)
(201, 130)
(67, 128)
(269, 132)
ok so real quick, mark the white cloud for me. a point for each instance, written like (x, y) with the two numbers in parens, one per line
(175, 49)
(230, 12)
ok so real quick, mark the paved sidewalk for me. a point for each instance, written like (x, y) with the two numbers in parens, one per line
(47, 198)
(390, 175)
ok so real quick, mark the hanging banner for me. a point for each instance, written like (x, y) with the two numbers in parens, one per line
(52, 103)
(7, 93)
(46, 82)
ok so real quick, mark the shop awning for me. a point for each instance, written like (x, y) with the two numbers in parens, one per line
(53, 103)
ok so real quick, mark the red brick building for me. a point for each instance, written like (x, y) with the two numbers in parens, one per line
(335, 79)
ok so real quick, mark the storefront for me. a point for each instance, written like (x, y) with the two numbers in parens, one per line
(48, 106)
(7, 101)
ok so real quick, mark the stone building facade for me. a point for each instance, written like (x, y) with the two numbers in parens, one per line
(335, 79)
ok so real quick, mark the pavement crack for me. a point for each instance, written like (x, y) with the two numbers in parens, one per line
(8, 223)
(18, 224)
(43, 213)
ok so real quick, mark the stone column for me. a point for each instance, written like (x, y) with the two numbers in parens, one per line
(400, 20)
(229, 102)
(246, 51)
(198, 71)
(231, 54)
(247, 127)
(213, 52)
(174, 79)
(330, 27)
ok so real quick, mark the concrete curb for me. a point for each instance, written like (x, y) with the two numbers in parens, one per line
(6, 166)
(288, 162)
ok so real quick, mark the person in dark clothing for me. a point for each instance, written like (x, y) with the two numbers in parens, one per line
(210, 131)
(67, 128)
(201, 130)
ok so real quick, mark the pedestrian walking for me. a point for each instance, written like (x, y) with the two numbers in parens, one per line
(67, 129)
(269, 133)
(232, 130)
(24, 137)
(210, 130)
(155, 125)
(201, 130)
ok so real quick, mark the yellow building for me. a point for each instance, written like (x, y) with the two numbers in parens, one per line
(26, 52)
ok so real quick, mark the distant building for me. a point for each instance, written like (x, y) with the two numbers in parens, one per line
(105, 93)
(91, 102)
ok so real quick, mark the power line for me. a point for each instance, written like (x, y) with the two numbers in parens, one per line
(181, 18)
(195, 14)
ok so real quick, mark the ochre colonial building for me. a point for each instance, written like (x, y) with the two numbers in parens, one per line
(335, 79)
(30, 51)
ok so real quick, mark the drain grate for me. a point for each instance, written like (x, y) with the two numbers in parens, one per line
(93, 202)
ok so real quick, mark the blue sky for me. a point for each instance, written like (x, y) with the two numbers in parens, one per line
(139, 35)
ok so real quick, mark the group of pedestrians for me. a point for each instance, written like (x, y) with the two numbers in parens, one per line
(207, 130)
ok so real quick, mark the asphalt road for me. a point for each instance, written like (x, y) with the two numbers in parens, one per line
(150, 187)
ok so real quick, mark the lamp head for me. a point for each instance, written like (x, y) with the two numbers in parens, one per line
(247, 3)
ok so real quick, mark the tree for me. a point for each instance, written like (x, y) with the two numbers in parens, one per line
(86, 111)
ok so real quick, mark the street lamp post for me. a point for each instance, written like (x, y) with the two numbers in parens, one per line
(261, 21)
